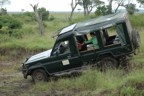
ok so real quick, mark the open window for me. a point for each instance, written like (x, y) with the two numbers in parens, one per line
(87, 41)
(110, 36)
(61, 47)
(80, 41)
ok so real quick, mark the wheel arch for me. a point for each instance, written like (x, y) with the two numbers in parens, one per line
(104, 55)
(32, 70)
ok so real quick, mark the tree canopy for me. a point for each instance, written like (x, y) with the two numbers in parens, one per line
(141, 1)
(43, 13)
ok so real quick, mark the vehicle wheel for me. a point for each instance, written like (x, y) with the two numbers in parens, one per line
(137, 51)
(108, 63)
(136, 41)
(39, 75)
(123, 62)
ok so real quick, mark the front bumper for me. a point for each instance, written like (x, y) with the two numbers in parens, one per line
(24, 71)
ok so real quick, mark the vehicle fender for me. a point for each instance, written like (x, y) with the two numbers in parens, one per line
(104, 55)
(31, 69)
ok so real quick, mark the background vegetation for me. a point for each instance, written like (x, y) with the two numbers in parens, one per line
(23, 39)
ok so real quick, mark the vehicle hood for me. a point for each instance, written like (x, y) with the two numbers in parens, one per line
(39, 56)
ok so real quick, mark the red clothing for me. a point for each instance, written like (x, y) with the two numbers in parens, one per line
(80, 46)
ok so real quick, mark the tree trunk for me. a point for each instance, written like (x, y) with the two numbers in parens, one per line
(73, 6)
(71, 15)
(90, 9)
(85, 10)
(110, 6)
(117, 8)
(39, 20)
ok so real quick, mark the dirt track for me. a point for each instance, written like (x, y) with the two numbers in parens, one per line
(11, 80)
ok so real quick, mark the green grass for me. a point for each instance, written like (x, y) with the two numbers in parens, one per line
(96, 82)
(137, 20)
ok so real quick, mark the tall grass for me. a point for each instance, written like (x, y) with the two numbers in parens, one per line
(137, 20)
(96, 82)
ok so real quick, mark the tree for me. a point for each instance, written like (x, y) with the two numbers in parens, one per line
(102, 10)
(131, 8)
(119, 3)
(88, 5)
(122, 3)
(3, 2)
(110, 6)
(43, 13)
(3, 11)
(74, 4)
(39, 20)
(141, 1)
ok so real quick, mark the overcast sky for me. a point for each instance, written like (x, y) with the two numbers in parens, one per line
(51, 5)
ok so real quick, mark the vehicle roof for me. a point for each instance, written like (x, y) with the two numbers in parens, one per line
(95, 24)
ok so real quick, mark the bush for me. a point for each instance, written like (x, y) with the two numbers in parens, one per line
(51, 18)
(14, 24)
(43, 13)
(10, 22)
(27, 17)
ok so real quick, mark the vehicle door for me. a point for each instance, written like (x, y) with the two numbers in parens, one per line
(67, 57)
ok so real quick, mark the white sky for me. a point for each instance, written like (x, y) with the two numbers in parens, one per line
(51, 5)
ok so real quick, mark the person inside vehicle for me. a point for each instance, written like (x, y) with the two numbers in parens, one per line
(80, 41)
(93, 40)
(116, 40)
(79, 46)
(64, 47)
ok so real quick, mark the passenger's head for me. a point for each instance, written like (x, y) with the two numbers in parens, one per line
(92, 34)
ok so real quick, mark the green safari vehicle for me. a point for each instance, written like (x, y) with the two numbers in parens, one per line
(115, 37)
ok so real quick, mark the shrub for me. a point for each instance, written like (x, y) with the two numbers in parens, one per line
(14, 24)
(10, 22)
(1, 26)
(44, 14)
(51, 18)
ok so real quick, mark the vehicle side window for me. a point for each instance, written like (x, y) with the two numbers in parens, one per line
(87, 42)
(92, 42)
(80, 42)
(61, 47)
(110, 36)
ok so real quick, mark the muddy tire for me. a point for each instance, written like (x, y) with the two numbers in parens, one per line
(39, 75)
(123, 62)
(108, 63)
(136, 41)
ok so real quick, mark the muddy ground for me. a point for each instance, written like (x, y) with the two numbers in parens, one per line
(11, 79)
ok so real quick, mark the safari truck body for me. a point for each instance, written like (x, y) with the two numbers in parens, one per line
(116, 40)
